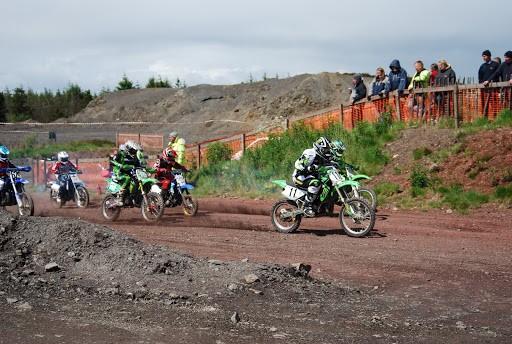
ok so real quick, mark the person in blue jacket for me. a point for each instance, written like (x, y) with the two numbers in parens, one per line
(397, 78)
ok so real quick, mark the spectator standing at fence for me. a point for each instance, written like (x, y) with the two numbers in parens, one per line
(420, 79)
(358, 89)
(487, 68)
(377, 88)
(504, 71)
(397, 78)
(358, 93)
(434, 69)
(446, 75)
(178, 145)
(378, 84)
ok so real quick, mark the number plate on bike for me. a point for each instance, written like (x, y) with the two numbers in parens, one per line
(292, 192)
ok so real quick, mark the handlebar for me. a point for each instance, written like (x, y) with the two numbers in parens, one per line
(16, 169)
(179, 171)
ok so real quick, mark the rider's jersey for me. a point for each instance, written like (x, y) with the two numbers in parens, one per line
(5, 164)
(308, 158)
(60, 168)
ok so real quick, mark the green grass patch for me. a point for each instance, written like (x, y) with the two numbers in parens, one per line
(28, 149)
(420, 152)
(461, 200)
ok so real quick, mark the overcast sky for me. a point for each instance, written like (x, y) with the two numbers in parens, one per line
(48, 44)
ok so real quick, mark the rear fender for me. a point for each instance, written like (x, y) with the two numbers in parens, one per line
(280, 182)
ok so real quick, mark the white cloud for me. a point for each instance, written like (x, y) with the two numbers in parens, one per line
(50, 43)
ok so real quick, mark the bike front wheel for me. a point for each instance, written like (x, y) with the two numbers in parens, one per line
(357, 217)
(367, 194)
(153, 209)
(110, 208)
(82, 197)
(26, 206)
(190, 205)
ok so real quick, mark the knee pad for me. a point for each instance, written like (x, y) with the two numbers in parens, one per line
(313, 189)
(2, 183)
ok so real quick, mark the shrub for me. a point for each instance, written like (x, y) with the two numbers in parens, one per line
(420, 152)
(218, 152)
(419, 177)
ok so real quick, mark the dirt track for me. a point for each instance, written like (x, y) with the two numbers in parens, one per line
(449, 272)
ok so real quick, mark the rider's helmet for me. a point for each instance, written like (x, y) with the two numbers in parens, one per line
(131, 147)
(322, 147)
(337, 148)
(4, 153)
(63, 157)
(169, 154)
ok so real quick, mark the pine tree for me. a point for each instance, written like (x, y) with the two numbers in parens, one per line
(3, 108)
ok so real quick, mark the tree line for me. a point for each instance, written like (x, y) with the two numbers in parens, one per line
(21, 105)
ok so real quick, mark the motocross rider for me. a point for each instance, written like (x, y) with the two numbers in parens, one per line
(127, 158)
(4, 163)
(164, 166)
(62, 166)
(306, 171)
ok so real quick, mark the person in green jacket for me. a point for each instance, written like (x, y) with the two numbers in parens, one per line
(177, 144)
(420, 79)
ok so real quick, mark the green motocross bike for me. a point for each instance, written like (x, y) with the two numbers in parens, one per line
(356, 216)
(139, 195)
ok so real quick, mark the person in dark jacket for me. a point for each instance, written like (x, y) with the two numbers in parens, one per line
(358, 89)
(504, 71)
(397, 78)
(446, 76)
(487, 68)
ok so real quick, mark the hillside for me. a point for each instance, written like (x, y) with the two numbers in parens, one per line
(208, 111)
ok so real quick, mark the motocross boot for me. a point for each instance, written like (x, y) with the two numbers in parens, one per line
(120, 196)
(308, 205)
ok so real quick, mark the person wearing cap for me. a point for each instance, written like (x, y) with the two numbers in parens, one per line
(487, 96)
(178, 145)
(487, 68)
(397, 78)
(504, 71)
(358, 89)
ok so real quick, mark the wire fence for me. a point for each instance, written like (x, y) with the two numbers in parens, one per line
(460, 103)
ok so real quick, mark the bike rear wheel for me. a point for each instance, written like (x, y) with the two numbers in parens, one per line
(283, 218)
(110, 208)
(190, 205)
(82, 197)
(154, 208)
(357, 217)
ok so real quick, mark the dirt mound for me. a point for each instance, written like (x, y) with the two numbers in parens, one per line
(205, 112)
(479, 161)
(83, 270)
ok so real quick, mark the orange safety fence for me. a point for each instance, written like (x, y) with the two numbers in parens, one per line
(462, 103)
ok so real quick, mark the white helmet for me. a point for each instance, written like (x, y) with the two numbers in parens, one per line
(131, 147)
(63, 157)
(322, 147)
